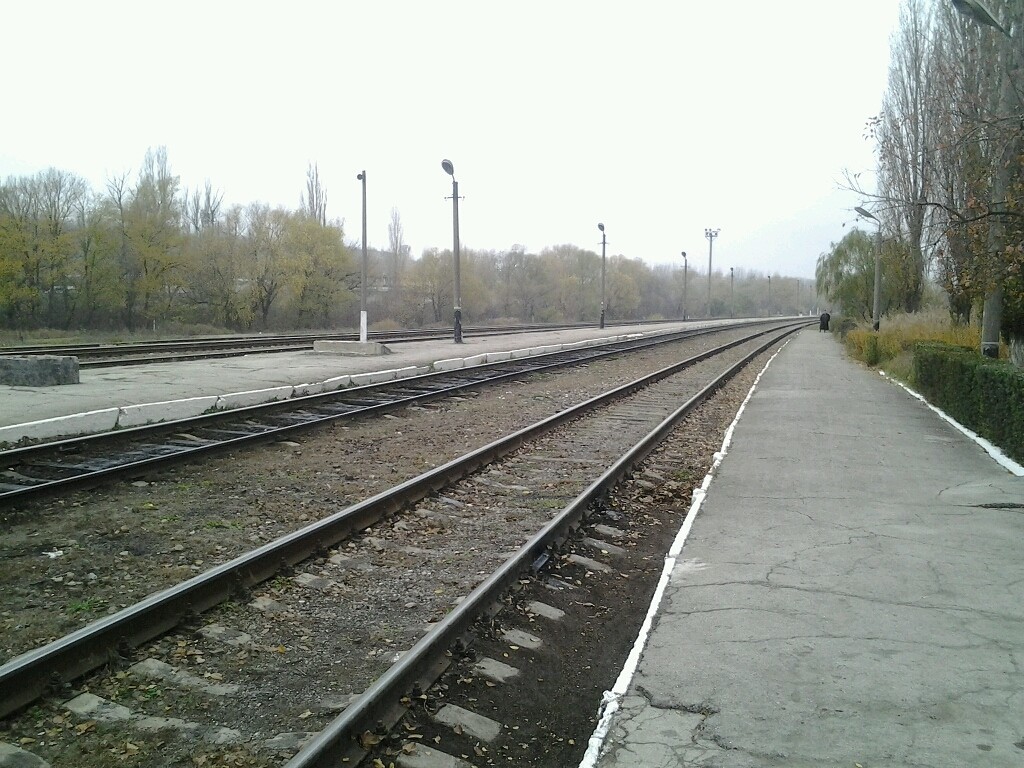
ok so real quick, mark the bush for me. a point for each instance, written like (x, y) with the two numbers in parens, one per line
(984, 395)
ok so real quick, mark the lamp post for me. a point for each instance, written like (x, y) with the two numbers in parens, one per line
(769, 295)
(710, 234)
(362, 281)
(1008, 103)
(448, 168)
(732, 293)
(604, 243)
(684, 285)
(876, 304)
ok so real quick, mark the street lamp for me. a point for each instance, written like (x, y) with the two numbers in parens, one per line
(448, 168)
(732, 293)
(710, 234)
(684, 285)
(769, 295)
(876, 315)
(604, 243)
(362, 282)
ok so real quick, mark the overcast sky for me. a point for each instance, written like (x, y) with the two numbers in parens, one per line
(659, 119)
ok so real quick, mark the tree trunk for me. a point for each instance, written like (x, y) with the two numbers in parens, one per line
(1016, 343)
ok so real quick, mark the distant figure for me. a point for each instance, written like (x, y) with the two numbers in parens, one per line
(823, 325)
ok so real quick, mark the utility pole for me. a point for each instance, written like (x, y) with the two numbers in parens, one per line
(604, 243)
(710, 234)
(362, 282)
(684, 285)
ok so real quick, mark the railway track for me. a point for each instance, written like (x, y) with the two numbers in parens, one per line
(503, 522)
(97, 355)
(51, 467)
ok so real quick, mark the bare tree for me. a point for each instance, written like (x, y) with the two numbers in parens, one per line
(201, 210)
(905, 140)
(314, 201)
(398, 257)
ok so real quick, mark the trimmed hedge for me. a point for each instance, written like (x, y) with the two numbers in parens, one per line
(983, 394)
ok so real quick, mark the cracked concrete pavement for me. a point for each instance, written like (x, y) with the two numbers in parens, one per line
(851, 592)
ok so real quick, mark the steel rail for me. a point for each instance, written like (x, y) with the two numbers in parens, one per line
(161, 350)
(340, 738)
(25, 678)
(21, 485)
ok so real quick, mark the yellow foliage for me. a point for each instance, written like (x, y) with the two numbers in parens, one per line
(899, 334)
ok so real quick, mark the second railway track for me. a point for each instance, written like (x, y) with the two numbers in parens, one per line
(466, 533)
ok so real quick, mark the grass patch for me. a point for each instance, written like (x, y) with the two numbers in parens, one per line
(892, 346)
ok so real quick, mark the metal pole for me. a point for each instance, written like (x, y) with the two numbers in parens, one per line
(684, 284)
(876, 311)
(732, 292)
(362, 281)
(710, 234)
(876, 314)
(769, 295)
(458, 289)
(604, 243)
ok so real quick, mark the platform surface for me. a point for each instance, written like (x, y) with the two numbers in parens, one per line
(850, 593)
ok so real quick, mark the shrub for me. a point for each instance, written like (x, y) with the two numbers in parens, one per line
(984, 395)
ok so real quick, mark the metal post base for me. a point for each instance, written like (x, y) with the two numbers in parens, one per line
(458, 326)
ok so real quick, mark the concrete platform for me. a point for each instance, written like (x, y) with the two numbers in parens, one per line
(849, 592)
(109, 398)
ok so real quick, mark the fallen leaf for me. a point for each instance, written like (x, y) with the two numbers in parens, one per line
(305, 714)
(369, 739)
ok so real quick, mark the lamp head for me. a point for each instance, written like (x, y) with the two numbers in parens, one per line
(448, 167)
(361, 176)
(601, 227)
(684, 254)
(865, 213)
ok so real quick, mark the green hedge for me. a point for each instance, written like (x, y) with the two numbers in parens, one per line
(984, 395)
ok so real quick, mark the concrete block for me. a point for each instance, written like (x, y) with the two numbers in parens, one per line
(517, 354)
(88, 423)
(498, 357)
(451, 364)
(610, 531)
(545, 610)
(336, 382)
(360, 348)
(522, 639)
(590, 565)
(289, 742)
(474, 725)
(253, 397)
(38, 370)
(374, 377)
(92, 707)
(475, 360)
(16, 757)
(546, 349)
(604, 546)
(161, 670)
(494, 670)
(227, 635)
(423, 756)
(168, 410)
(411, 370)
(314, 388)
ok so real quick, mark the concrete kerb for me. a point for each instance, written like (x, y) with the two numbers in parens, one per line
(451, 364)
(109, 419)
(253, 397)
(103, 420)
(168, 410)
